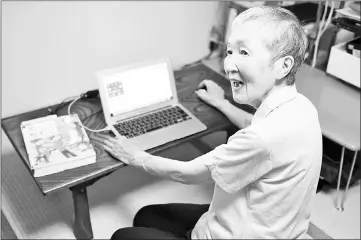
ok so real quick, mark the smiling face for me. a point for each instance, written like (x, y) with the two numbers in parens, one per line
(248, 63)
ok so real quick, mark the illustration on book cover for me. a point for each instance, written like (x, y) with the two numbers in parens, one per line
(56, 140)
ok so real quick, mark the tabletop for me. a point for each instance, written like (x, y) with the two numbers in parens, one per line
(337, 103)
(90, 112)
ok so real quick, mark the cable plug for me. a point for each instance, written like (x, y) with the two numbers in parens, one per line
(50, 111)
(90, 94)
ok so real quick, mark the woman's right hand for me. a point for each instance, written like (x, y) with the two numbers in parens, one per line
(211, 93)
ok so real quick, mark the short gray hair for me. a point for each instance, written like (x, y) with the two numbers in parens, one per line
(289, 40)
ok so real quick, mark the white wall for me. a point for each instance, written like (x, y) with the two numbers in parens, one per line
(50, 50)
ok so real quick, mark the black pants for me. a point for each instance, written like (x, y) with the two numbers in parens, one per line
(163, 221)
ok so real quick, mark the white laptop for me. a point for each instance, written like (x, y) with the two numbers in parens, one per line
(140, 102)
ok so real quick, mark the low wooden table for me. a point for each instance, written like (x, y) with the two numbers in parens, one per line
(90, 112)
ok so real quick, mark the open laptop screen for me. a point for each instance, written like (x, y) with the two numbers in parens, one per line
(137, 88)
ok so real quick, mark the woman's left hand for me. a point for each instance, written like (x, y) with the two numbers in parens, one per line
(124, 151)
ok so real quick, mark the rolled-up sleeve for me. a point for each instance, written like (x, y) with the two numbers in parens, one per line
(244, 159)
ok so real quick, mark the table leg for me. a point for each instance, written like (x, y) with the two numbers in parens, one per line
(340, 203)
(82, 226)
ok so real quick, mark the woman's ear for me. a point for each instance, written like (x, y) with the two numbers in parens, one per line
(284, 66)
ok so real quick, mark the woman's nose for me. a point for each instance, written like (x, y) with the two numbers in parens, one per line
(230, 65)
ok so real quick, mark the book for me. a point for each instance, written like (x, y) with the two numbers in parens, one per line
(55, 144)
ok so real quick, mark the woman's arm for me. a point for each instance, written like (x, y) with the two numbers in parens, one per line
(237, 116)
(213, 95)
(191, 172)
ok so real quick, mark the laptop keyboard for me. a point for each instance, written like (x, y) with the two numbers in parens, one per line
(151, 121)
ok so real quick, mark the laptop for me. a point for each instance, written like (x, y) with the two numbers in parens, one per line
(140, 102)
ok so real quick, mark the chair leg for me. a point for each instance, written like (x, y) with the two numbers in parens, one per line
(348, 181)
(338, 203)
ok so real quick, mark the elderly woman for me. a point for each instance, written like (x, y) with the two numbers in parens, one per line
(267, 174)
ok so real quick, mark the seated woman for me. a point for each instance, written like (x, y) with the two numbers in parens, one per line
(266, 175)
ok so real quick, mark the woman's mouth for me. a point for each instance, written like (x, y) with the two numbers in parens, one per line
(236, 85)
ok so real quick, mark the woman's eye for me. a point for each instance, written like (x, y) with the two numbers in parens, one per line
(243, 52)
(229, 52)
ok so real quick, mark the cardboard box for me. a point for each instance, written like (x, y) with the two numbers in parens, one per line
(344, 65)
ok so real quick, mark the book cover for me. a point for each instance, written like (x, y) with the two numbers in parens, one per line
(55, 144)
